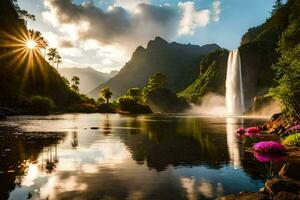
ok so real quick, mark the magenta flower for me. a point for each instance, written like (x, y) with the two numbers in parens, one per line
(253, 130)
(240, 131)
(268, 157)
(269, 147)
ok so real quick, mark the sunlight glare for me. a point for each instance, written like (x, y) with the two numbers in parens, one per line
(30, 44)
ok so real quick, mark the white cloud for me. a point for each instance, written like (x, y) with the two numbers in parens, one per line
(130, 5)
(216, 10)
(191, 18)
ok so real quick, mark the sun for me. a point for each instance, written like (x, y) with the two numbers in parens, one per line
(30, 44)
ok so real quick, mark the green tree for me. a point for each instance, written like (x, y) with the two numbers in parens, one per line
(135, 94)
(52, 55)
(75, 88)
(100, 100)
(287, 70)
(278, 4)
(76, 82)
(106, 94)
(157, 80)
(58, 60)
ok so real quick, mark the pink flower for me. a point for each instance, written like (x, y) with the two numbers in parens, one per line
(253, 130)
(240, 130)
(268, 157)
(269, 147)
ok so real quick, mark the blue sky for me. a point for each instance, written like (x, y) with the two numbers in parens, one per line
(198, 22)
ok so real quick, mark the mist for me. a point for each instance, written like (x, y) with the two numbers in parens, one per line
(211, 104)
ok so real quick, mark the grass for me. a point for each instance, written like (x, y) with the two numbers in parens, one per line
(292, 140)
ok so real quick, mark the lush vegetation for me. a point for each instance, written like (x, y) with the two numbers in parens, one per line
(287, 69)
(292, 140)
(211, 79)
(160, 98)
(41, 105)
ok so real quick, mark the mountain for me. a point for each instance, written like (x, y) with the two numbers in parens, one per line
(23, 71)
(89, 78)
(179, 62)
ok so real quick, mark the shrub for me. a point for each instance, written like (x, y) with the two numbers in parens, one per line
(106, 108)
(292, 140)
(41, 105)
(128, 104)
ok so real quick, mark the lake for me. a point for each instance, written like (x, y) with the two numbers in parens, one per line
(112, 156)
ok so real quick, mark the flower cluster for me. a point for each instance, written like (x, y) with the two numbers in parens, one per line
(269, 147)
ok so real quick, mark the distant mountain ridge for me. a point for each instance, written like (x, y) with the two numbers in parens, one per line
(89, 77)
(179, 62)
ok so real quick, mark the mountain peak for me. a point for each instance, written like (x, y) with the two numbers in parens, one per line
(157, 42)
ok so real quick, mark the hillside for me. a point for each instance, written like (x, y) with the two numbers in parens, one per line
(179, 62)
(89, 78)
(24, 72)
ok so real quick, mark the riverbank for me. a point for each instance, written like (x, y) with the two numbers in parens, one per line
(285, 183)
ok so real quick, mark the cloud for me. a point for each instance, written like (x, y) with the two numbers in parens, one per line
(129, 4)
(116, 26)
(191, 18)
(66, 43)
(216, 10)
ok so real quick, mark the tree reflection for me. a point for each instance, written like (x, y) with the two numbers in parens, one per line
(74, 139)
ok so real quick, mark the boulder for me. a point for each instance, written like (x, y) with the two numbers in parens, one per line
(287, 196)
(291, 171)
(275, 186)
(245, 196)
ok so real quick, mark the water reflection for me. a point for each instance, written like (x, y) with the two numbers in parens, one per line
(132, 157)
(235, 149)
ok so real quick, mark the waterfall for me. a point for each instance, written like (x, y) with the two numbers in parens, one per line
(235, 103)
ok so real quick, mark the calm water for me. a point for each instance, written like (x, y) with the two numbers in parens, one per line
(102, 156)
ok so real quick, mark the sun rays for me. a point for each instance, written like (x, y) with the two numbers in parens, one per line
(31, 44)
(21, 49)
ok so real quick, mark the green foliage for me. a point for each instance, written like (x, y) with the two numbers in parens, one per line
(278, 4)
(287, 70)
(75, 85)
(106, 94)
(41, 105)
(135, 94)
(199, 87)
(128, 104)
(100, 100)
(156, 81)
(292, 140)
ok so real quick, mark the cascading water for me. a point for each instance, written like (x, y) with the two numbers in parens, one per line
(235, 103)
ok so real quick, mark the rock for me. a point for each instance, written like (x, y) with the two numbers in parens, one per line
(244, 196)
(287, 196)
(275, 116)
(94, 128)
(275, 185)
(291, 171)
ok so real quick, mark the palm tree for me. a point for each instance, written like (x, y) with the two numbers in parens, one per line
(58, 60)
(106, 94)
(36, 36)
(52, 55)
(76, 81)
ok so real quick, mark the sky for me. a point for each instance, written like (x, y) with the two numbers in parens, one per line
(103, 34)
